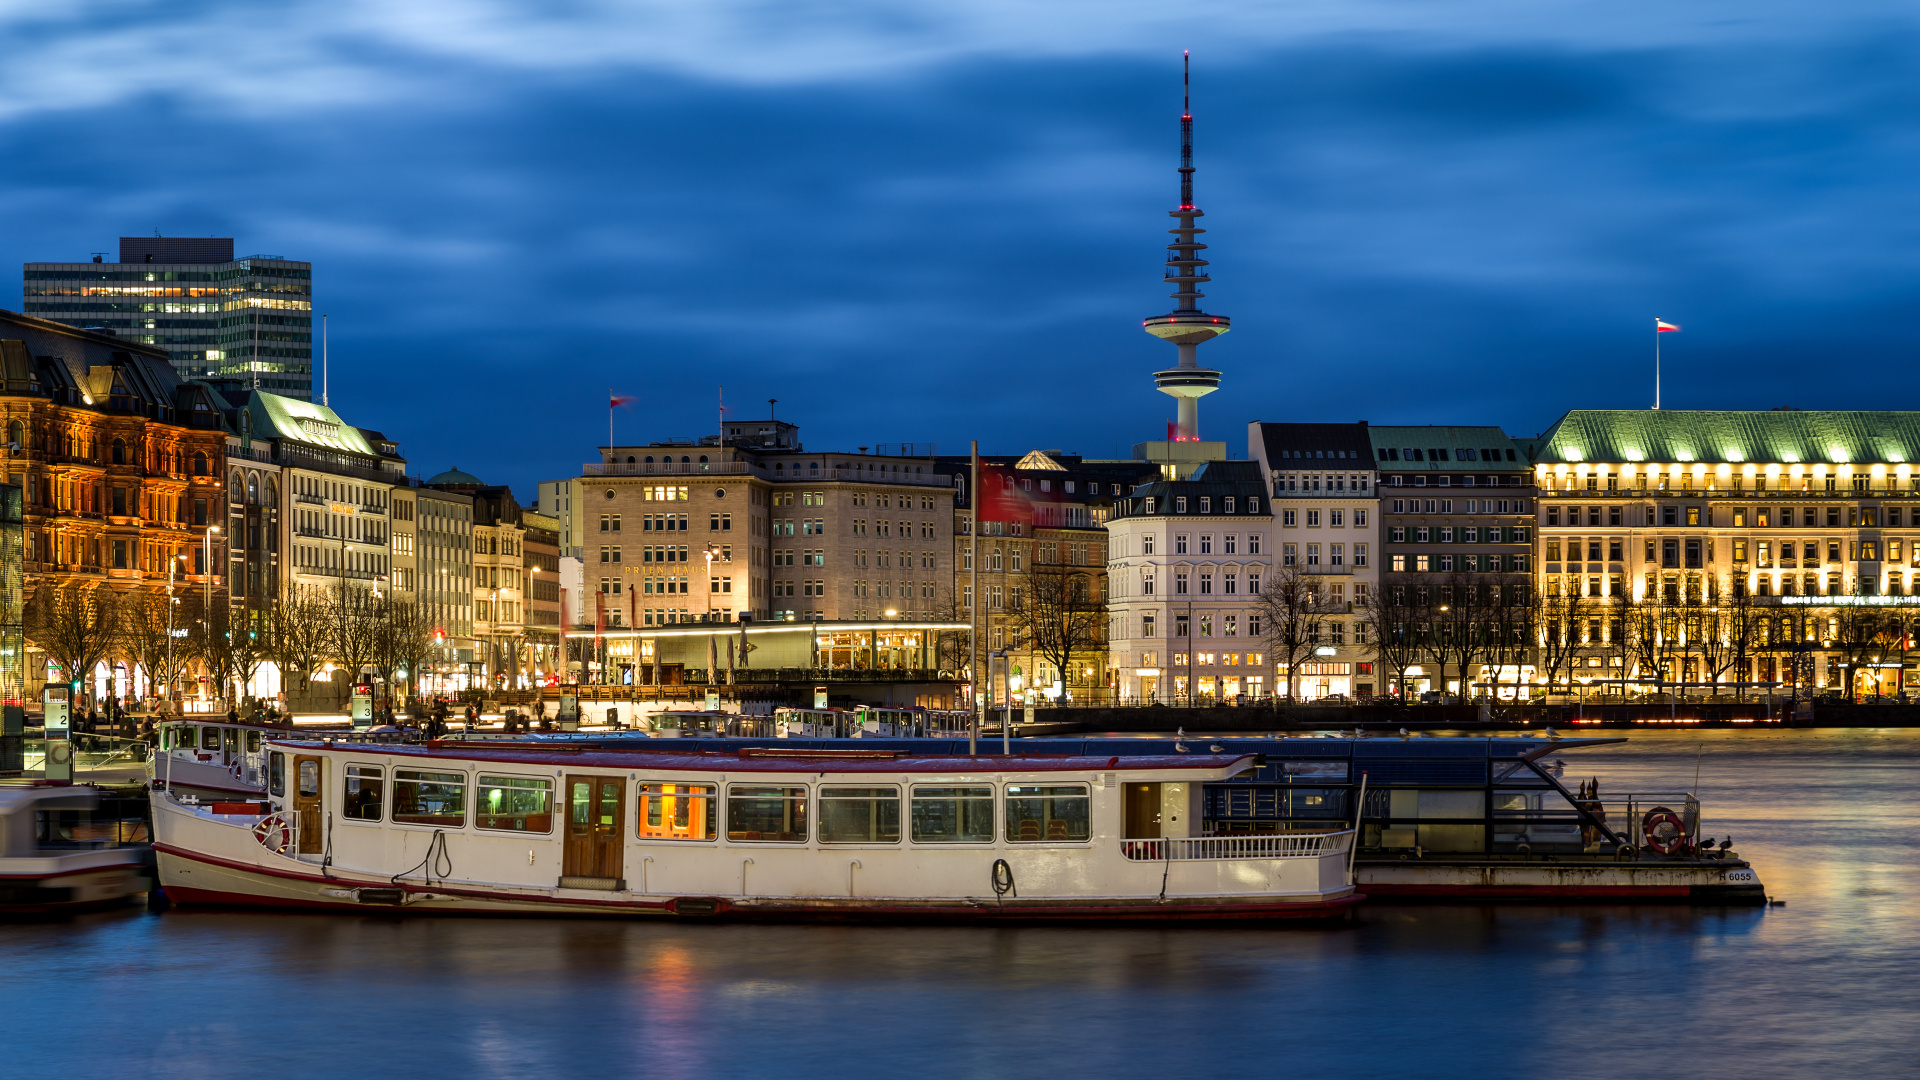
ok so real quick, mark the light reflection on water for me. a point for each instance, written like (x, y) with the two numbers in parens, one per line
(1822, 986)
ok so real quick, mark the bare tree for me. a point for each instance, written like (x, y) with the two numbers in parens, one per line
(297, 630)
(403, 641)
(146, 637)
(1462, 622)
(1060, 616)
(1293, 610)
(1511, 632)
(352, 628)
(78, 627)
(1395, 644)
(1559, 621)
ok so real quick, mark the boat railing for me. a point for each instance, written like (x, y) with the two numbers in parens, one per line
(1263, 846)
(1649, 823)
(90, 752)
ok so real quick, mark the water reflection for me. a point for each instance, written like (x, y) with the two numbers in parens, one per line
(1822, 986)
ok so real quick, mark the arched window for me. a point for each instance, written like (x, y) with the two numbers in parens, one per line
(273, 495)
(16, 433)
(703, 459)
(119, 451)
(253, 490)
(649, 459)
(234, 492)
(199, 463)
(630, 459)
(684, 460)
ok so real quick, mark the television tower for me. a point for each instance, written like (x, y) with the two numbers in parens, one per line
(1187, 326)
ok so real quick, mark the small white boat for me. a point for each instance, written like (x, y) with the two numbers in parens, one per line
(55, 856)
(872, 722)
(744, 833)
(212, 759)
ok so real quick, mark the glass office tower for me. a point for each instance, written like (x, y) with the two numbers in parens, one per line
(245, 323)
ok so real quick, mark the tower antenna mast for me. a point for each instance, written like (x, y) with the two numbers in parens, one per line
(1187, 326)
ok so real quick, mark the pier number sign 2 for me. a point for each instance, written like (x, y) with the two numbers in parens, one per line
(57, 701)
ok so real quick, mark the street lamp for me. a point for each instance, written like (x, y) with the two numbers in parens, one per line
(171, 560)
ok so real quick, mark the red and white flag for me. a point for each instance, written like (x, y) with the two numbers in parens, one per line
(1661, 326)
(618, 400)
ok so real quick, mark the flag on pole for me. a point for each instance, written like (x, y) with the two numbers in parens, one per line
(618, 400)
(1661, 326)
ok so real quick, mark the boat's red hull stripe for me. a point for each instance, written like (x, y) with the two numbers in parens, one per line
(1568, 892)
(1176, 910)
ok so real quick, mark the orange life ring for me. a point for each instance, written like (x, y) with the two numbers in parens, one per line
(1664, 831)
(274, 833)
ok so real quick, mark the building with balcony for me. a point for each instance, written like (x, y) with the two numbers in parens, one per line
(121, 465)
(1456, 509)
(243, 323)
(1324, 487)
(543, 620)
(499, 579)
(1705, 547)
(1186, 562)
(443, 534)
(339, 481)
(1040, 574)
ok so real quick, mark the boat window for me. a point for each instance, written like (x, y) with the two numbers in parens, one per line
(209, 738)
(429, 798)
(676, 812)
(364, 791)
(1037, 813)
(514, 803)
(952, 815)
(310, 779)
(233, 739)
(167, 737)
(253, 742)
(859, 815)
(276, 773)
(768, 814)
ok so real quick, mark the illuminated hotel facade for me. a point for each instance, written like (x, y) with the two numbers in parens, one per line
(1774, 546)
(242, 323)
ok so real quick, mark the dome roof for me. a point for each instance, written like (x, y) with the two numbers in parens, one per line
(455, 478)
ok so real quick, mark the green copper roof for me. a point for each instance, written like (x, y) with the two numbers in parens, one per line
(305, 422)
(1670, 435)
(1444, 448)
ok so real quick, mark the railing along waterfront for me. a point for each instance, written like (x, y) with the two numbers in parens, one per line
(1270, 846)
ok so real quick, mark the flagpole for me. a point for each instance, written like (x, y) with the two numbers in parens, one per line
(609, 419)
(1656, 363)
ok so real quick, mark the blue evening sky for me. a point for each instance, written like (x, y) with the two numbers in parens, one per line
(940, 221)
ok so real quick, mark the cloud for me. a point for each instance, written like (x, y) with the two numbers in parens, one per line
(945, 222)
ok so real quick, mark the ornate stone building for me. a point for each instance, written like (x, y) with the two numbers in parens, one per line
(122, 469)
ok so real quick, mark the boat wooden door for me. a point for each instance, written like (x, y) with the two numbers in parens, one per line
(596, 806)
(306, 803)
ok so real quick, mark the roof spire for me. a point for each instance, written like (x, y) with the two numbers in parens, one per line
(1186, 131)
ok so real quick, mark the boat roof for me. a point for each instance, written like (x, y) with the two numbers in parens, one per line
(780, 759)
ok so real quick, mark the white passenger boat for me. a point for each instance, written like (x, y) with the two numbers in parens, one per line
(871, 722)
(57, 855)
(212, 759)
(798, 723)
(746, 833)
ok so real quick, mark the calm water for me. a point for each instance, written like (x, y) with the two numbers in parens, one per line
(1827, 986)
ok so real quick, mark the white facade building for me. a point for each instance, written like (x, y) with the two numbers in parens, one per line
(1186, 560)
(1326, 512)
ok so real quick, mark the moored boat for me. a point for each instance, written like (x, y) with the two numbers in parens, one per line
(57, 855)
(743, 833)
(211, 759)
